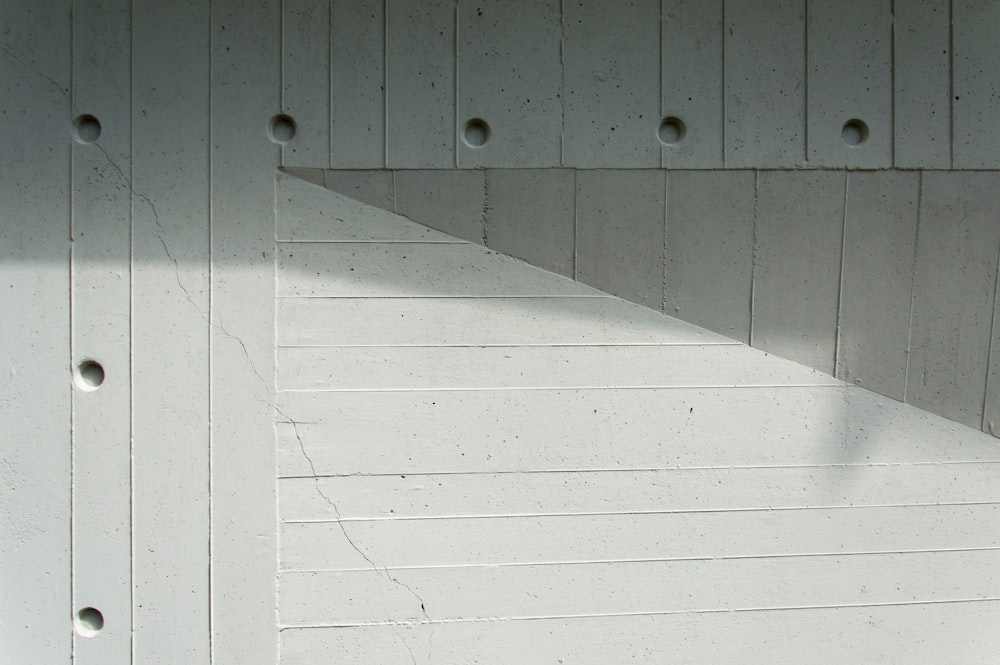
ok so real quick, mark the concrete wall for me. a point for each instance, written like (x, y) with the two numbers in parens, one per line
(830, 183)
(884, 278)
(140, 140)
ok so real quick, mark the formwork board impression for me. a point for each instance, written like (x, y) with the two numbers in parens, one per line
(170, 283)
(509, 106)
(849, 61)
(35, 537)
(611, 81)
(101, 333)
(495, 461)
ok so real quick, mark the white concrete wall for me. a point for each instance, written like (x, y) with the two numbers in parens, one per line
(151, 498)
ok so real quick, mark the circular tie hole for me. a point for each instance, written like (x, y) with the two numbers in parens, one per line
(89, 621)
(476, 133)
(86, 129)
(89, 375)
(671, 131)
(854, 133)
(282, 128)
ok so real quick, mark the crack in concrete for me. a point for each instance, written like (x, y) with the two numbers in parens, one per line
(161, 231)
(11, 56)
(350, 541)
(340, 522)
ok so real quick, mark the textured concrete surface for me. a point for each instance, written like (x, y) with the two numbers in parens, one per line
(572, 460)
(156, 128)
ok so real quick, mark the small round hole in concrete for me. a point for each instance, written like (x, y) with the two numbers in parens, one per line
(89, 375)
(854, 132)
(89, 622)
(671, 131)
(86, 129)
(476, 133)
(282, 128)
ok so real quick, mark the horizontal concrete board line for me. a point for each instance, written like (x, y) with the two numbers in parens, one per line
(638, 469)
(624, 513)
(707, 386)
(459, 296)
(531, 345)
(298, 241)
(418, 622)
(587, 562)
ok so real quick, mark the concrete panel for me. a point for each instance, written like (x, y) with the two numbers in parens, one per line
(35, 531)
(850, 79)
(375, 188)
(765, 83)
(692, 82)
(513, 430)
(797, 261)
(357, 102)
(710, 249)
(611, 84)
(510, 76)
(879, 241)
(619, 234)
(246, 79)
(976, 94)
(480, 322)
(170, 339)
(922, 79)
(609, 588)
(449, 201)
(664, 535)
(609, 366)
(573, 492)
(102, 302)
(305, 79)
(420, 84)
(530, 214)
(953, 294)
(933, 633)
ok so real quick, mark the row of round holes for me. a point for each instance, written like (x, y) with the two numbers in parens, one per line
(281, 129)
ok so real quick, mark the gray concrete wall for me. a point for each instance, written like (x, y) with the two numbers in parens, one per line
(883, 278)
(816, 178)
(140, 141)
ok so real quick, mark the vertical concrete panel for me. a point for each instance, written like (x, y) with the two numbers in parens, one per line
(420, 90)
(372, 187)
(357, 104)
(530, 214)
(922, 80)
(797, 255)
(879, 240)
(710, 249)
(850, 83)
(510, 76)
(619, 233)
(611, 84)
(692, 84)
(246, 85)
(170, 371)
(953, 294)
(451, 201)
(101, 258)
(36, 613)
(765, 83)
(975, 90)
(306, 63)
